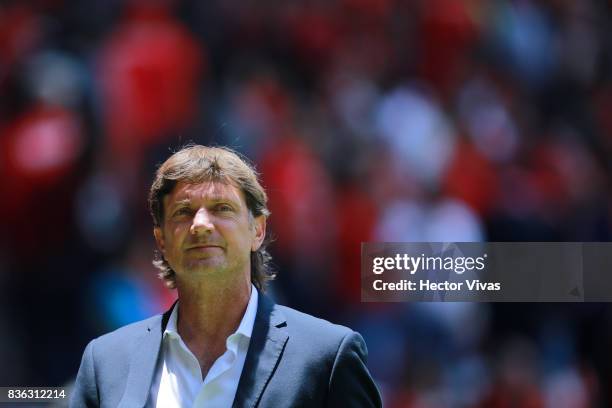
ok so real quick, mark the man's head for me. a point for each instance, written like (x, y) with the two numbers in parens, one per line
(209, 214)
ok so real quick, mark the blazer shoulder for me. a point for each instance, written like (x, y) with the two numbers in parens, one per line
(125, 335)
(300, 323)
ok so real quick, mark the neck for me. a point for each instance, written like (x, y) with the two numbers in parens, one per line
(208, 314)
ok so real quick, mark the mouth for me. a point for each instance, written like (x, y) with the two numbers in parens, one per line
(203, 247)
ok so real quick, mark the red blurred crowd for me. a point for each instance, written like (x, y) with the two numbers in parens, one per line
(369, 120)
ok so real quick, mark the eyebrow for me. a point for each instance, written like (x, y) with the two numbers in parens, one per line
(181, 203)
(215, 199)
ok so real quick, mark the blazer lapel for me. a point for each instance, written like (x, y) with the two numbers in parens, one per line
(143, 363)
(265, 350)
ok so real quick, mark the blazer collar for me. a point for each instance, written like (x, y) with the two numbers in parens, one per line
(143, 363)
(265, 349)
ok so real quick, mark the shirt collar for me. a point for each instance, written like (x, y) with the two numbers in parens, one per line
(245, 327)
(248, 320)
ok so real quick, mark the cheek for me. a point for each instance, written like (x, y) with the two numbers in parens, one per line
(238, 236)
(174, 240)
(250, 240)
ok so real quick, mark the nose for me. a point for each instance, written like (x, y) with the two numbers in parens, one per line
(201, 222)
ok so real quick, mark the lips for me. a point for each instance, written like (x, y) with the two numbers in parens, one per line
(204, 246)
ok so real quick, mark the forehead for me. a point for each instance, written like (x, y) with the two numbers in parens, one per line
(204, 191)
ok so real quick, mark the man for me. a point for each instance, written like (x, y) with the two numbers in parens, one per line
(224, 343)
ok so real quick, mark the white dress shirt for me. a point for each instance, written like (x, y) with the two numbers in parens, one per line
(178, 377)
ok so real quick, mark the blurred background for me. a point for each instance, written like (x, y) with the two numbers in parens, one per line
(369, 120)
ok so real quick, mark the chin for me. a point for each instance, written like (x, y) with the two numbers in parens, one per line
(205, 267)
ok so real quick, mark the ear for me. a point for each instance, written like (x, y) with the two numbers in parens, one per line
(259, 232)
(159, 239)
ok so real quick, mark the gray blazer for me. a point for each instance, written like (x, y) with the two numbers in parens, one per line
(294, 360)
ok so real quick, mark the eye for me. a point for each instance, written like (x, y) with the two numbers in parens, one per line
(224, 208)
(182, 211)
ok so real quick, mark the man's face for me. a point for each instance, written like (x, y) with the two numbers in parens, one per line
(208, 233)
